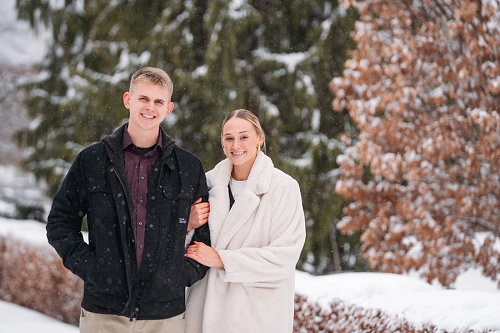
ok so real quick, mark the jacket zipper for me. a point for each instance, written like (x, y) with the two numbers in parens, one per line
(135, 290)
(133, 313)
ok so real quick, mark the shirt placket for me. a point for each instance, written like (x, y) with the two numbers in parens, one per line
(142, 187)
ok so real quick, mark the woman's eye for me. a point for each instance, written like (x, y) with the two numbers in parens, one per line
(229, 139)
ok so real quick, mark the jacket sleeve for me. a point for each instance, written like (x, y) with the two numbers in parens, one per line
(261, 266)
(194, 271)
(64, 222)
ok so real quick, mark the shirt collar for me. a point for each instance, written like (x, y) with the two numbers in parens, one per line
(127, 141)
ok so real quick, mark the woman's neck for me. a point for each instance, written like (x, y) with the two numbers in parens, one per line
(241, 172)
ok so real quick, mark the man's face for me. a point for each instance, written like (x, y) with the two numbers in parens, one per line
(148, 104)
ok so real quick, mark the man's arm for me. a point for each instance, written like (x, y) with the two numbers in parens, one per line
(194, 270)
(65, 222)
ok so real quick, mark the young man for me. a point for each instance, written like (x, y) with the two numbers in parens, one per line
(136, 188)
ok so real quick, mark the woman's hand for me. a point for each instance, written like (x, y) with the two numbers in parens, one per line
(204, 254)
(198, 215)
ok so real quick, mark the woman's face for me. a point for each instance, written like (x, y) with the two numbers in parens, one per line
(240, 140)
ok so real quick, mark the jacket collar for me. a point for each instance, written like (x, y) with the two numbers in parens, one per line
(258, 180)
(113, 142)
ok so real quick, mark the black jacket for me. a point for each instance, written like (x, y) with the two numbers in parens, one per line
(96, 186)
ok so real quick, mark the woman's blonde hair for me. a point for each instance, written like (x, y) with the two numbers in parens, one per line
(252, 119)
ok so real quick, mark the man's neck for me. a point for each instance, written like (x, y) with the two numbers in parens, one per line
(144, 139)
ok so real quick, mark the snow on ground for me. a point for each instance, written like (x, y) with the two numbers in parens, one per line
(15, 318)
(474, 304)
(407, 297)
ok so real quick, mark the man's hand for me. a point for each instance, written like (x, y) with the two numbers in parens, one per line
(198, 215)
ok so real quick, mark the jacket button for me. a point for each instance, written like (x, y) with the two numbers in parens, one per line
(153, 197)
(119, 195)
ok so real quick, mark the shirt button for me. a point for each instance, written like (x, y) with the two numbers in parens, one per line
(142, 177)
(140, 223)
(140, 246)
(141, 201)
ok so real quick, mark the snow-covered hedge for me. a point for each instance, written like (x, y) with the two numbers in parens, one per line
(32, 275)
(347, 318)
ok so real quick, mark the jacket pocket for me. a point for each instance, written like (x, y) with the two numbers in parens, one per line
(102, 202)
(85, 268)
(107, 273)
(180, 198)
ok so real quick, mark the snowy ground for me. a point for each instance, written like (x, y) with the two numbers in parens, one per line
(475, 303)
(16, 319)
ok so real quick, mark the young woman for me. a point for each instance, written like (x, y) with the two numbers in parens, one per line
(257, 232)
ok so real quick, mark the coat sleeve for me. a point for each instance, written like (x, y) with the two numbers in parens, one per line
(195, 271)
(277, 260)
(64, 222)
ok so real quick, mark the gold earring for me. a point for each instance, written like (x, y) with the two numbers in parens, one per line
(258, 147)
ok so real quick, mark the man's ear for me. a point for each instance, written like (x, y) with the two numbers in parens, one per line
(170, 108)
(126, 99)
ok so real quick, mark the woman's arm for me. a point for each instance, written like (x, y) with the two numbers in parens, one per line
(269, 263)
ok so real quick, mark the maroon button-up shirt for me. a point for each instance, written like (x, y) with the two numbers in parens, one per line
(138, 164)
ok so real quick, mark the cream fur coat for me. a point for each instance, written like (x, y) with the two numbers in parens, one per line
(259, 241)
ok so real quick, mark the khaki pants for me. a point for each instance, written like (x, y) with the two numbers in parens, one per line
(91, 322)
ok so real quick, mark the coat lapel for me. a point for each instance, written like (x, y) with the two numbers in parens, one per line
(225, 223)
(242, 209)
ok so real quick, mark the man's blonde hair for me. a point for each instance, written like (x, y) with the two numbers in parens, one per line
(152, 75)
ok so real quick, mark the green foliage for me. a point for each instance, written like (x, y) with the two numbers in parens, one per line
(273, 58)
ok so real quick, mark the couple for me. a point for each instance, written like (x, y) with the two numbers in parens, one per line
(145, 199)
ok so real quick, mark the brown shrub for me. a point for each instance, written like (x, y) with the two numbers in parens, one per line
(33, 276)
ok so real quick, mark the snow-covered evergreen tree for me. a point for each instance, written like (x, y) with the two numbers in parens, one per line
(271, 57)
